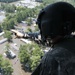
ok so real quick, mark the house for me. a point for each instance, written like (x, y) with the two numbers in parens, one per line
(28, 3)
(3, 40)
(1, 33)
(26, 41)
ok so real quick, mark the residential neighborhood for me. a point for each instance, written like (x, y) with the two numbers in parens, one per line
(21, 45)
(23, 33)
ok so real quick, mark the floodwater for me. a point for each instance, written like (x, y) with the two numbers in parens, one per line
(2, 17)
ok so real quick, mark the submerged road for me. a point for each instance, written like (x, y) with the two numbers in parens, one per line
(15, 62)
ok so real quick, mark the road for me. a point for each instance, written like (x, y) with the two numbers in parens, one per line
(15, 62)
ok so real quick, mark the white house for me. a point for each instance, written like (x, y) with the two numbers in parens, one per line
(26, 41)
(3, 40)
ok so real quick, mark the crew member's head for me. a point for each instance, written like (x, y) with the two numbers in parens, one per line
(56, 19)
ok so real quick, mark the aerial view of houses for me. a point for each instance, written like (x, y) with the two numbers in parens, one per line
(20, 39)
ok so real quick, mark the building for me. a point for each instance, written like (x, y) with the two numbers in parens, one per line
(28, 3)
(26, 41)
(1, 33)
(3, 40)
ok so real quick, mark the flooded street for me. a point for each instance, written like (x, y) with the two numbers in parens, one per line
(2, 16)
(16, 65)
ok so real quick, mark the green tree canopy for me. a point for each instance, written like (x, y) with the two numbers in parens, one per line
(46, 2)
(8, 36)
(8, 7)
(5, 66)
(31, 54)
(24, 54)
(8, 24)
(1, 59)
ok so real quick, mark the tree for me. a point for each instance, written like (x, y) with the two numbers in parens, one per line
(1, 61)
(29, 21)
(36, 28)
(35, 57)
(46, 2)
(7, 48)
(7, 7)
(8, 36)
(31, 54)
(29, 30)
(24, 54)
(11, 23)
(0, 28)
(8, 24)
(5, 25)
(19, 17)
(37, 51)
(34, 61)
(5, 66)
